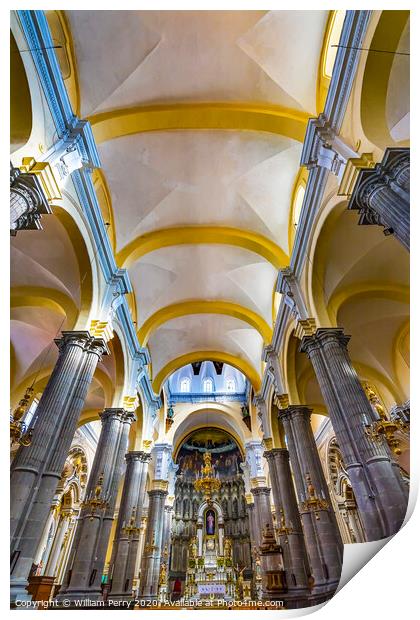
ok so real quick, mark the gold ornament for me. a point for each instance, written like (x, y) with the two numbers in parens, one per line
(18, 431)
(207, 483)
(383, 428)
(313, 503)
(96, 502)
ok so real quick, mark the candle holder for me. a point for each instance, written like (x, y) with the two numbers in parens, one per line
(96, 501)
(19, 433)
(282, 529)
(131, 527)
(313, 503)
(382, 427)
(150, 547)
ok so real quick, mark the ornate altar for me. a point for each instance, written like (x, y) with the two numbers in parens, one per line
(210, 573)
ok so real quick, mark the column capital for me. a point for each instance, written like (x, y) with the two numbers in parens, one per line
(393, 171)
(156, 491)
(143, 457)
(323, 336)
(117, 413)
(281, 454)
(258, 491)
(294, 412)
(84, 340)
(28, 201)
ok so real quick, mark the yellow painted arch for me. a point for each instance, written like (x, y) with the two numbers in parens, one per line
(211, 115)
(45, 297)
(198, 356)
(201, 306)
(225, 235)
(365, 290)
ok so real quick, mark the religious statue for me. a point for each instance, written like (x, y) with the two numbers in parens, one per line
(193, 548)
(227, 547)
(210, 522)
(257, 562)
(375, 402)
(39, 568)
(162, 574)
(239, 581)
(257, 567)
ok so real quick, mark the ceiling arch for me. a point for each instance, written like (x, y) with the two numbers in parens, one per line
(166, 237)
(199, 356)
(215, 115)
(199, 306)
(199, 119)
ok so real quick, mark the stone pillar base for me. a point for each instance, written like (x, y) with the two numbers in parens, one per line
(18, 592)
(81, 595)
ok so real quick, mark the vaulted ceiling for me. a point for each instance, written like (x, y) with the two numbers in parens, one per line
(199, 118)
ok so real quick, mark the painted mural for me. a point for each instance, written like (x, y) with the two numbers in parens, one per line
(226, 456)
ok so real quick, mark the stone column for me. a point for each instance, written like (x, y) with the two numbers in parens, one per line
(88, 554)
(289, 523)
(40, 552)
(127, 536)
(323, 540)
(382, 194)
(143, 525)
(36, 469)
(200, 536)
(167, 526)
(68, 543)
(375, 477)
(149, 581)
(262, 510)
(27, 201)
(50, 568)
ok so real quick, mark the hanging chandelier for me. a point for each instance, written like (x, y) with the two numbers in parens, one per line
(19, 433)
(207, 482)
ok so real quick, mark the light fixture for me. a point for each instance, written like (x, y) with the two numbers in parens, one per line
(18, 431)
(207, 482)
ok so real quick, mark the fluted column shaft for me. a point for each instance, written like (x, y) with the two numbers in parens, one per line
(36, 469)
(262, 511)
(50, 568)
(125, 549)
(323, 540)
(88, 553)
(380, 492)
(166, 534)
(293, 543)
(149, 581)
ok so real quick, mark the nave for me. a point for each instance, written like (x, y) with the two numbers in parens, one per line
(210, 349)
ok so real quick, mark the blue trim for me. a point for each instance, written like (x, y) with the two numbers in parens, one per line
(78, 133)
(200, 397)
(37, 33)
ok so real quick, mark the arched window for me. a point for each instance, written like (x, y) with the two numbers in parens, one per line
(230, 385)
(208, 385)
(185, 384)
